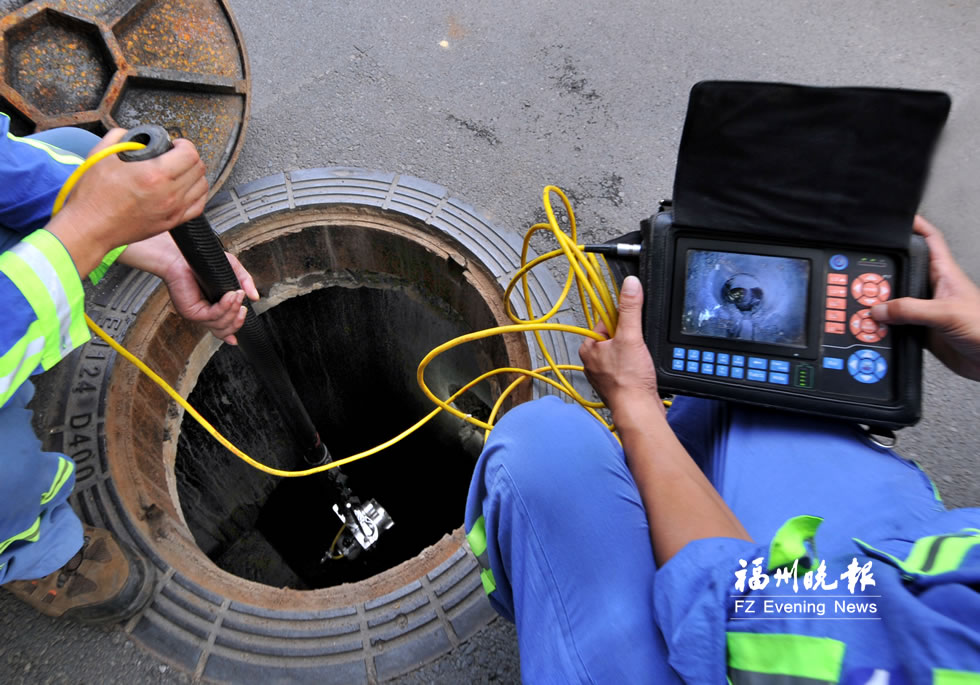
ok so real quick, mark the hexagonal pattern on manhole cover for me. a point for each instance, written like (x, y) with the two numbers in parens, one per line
(97, 64)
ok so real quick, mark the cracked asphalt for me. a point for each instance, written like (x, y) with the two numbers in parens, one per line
(496, 100)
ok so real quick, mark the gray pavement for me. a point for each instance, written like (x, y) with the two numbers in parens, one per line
(589, 96)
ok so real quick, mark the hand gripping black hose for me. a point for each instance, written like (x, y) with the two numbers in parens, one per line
(205, 254)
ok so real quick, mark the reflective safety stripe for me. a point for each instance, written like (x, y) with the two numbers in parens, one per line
(29, 535)
(56, 153)
(795, 540)
(65, 468)
(36, 260)
(767, 659)
(98, 272)
(944, 676)
(477, 537)
(932, 555)
(19, 363)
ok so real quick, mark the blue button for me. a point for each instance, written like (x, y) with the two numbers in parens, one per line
(779, 378)
(738, 360)
(833, 363)
(881, 368)
(724, 358)
(678, 353)
(738, 372)
(721, 370)
(776, 365)
(677, 364)
(692, 367)
(708, 369)
(758, 363)
(693, 354)
(708, 357)
(838, 262)
(866, 366)
(866, 378)
(756, 375)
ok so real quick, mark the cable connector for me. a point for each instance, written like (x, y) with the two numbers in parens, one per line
(615, 250)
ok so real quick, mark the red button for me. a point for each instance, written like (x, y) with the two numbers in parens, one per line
(837, 279)
(833, 327)
(836, 315)
(836, 303)
(869, 337)
(869, 290)
(836, 291)
(884, 291)
(869, 326)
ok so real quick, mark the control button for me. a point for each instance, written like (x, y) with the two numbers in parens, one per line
(779, 365)
(679, 353)
(756, 375)
(708, 357)
(692, 367)
(724, 358)
(738, 372)
(758, 363)
(708, 369)
(870, 289)
(838, 262)
(836, 315)
(867, 366)
(779, 378)
(833, 363)
(693, 354)
(738, 360)
(866, 329)
(721, 370)
(836, 291)
(835, 327)
(837, 279)
(836, 303)
(677, 364)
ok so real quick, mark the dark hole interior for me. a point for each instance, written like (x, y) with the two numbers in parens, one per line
(352, 353)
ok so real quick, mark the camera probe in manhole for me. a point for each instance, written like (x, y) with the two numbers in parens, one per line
(362, 521)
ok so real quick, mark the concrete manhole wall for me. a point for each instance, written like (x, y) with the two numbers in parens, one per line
(397, 265)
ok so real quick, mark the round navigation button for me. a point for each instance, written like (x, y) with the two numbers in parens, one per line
(866, 329)
(866, 366)
(838, 262)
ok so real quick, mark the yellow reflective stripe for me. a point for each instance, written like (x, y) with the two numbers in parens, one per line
(19, 362)
(65, 468)
(945, 676)
(29, 535)
(56, 153)
(488, 581)
(940, 553)
(477, 537)
(107, 261)
(802, 656)
(790, 543)
(70, 284)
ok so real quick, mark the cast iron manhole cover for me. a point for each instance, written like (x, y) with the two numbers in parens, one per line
(97, 64)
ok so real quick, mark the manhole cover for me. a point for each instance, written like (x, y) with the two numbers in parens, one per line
(97, 64)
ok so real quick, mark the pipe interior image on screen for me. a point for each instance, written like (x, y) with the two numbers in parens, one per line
(748, 297)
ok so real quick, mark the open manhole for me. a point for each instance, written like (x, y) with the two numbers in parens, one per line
(361, 273)
(98, 64)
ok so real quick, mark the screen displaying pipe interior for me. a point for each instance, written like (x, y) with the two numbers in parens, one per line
(748, 297)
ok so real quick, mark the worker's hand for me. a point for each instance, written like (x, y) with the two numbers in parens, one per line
(117, 203)
(953, 313)
(621, 369)
(160, 256)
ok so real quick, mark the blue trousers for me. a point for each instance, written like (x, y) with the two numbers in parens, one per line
(568, 540)
(39, 532)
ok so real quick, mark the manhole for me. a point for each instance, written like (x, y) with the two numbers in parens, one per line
(362, 273)
(97, 64)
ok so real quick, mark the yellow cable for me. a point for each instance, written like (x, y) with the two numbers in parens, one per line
(598, 303)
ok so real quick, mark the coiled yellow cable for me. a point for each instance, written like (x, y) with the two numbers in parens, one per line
(598, 299)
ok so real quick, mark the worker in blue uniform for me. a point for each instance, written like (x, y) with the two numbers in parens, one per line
(122, 211)
(723, 543)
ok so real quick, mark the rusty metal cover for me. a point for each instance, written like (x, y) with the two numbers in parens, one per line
(97, 64)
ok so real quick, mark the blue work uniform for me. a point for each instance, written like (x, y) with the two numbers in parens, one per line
(555, 518)
(43, 306)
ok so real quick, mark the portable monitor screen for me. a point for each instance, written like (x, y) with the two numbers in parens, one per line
(750, 297)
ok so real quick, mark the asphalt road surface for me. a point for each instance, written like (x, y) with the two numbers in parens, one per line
(496, 100)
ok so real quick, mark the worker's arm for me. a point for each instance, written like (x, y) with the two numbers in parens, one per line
(953, 313)
(680, 502)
